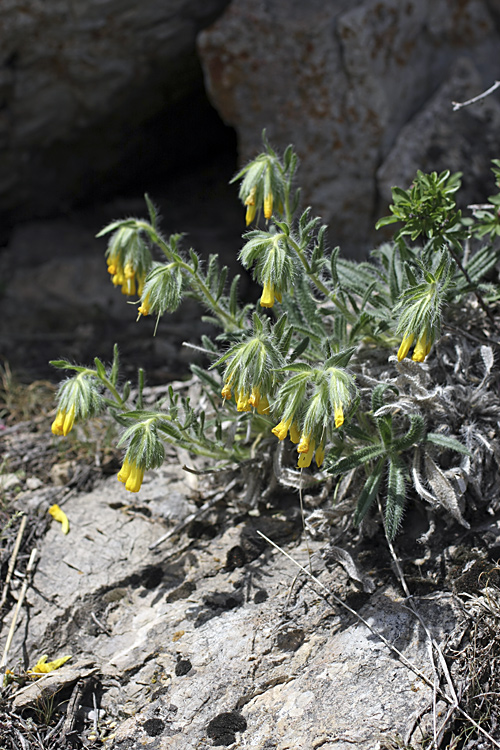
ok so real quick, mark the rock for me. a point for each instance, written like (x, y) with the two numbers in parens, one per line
(437, 138)
(9, 481)
(188, 647)
(339, 81)
(87, 88)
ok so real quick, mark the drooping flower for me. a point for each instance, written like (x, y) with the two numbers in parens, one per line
(305, 457)
(268, 205)
(226, 392)
(64, 421)
(243, 401)
(131, 475)
(319, 456)
(269, 295)
(405, 346)
(422, 347)
(338, 415)
(295, 432)
(251, 205)
(304, 444)
(281, 429)
(259, 401)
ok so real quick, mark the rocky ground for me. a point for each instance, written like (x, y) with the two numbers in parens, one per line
(188, 629)
(186, 626)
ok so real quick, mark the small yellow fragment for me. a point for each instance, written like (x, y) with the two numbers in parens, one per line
(42, 666)
(59, 515)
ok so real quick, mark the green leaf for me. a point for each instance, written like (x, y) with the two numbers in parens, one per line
(385, 221)
(205, 377)
(396, 497)
(101, 370)
(299, 349)
(445, 441)
(414, 434)
(361, 456)
(233, 295)
(369, 492)
(115, 366)
(153, 213)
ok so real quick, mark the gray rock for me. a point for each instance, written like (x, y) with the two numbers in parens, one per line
(339, 80)
(203, 641)
(438, 138)
(80, 87)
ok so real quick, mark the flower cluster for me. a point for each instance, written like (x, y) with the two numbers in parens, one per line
(78, 398)
(128, 258)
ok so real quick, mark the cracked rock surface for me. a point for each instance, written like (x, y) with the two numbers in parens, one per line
(210, 638)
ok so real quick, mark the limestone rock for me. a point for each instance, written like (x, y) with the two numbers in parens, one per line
(339, 80)
(437, 138)
(210, 637)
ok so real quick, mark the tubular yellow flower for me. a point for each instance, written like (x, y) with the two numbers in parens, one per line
(281, 429)
(226, 392)
(295, 433)
(118, 279)
(259, 402)
(64, 421)
(338, 415)
(267, 299)
(131, 475)
(144, 308)
(305, 442)
(319, 455)
(59, 515)
(268, 205)
(43, 666)
(405, 346)
(242, 402)
(306, 458)
(251, 206)
(422, 347)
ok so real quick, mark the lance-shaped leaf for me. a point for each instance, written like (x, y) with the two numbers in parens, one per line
(369, 492)
(396, 496)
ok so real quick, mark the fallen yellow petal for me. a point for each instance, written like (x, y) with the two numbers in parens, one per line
(59, 515)
(42, 666)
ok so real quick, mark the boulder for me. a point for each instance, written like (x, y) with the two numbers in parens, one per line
(93, 93)
(339, 80)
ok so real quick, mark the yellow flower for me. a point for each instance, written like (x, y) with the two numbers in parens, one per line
(267, 298)
(405, 346)
(305, 441)
(242, 402)
(64, 421)
(59, 515)
(281, 429)
(319, 455)
(338, 414)
(295, 433)
(306, 458)
(251, 207)
(422, 347)
(131, 475)
(268, 205)
(144, 308)
(259, 402)
(42, 666)
(226, 392)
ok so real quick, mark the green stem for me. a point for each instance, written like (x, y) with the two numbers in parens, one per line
(319, 284)
(206, 296)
